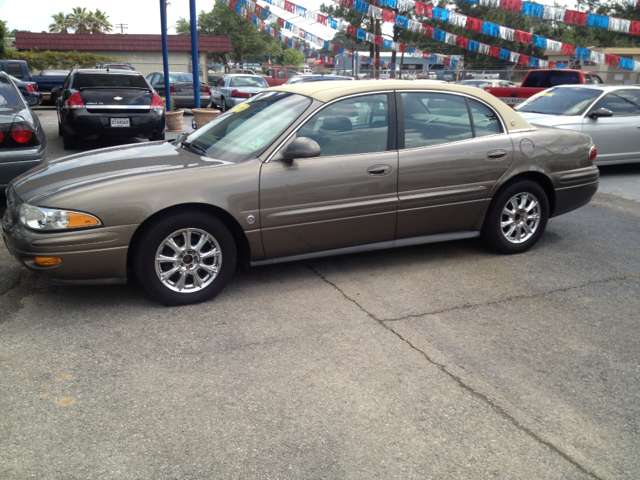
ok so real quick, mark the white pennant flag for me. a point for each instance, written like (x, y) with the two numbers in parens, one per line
(507, 33)
(458, 20)
(553, 45)
(514, 57)
(553, 13)
(619, 25)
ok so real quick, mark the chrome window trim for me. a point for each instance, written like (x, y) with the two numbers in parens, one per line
(117, 107)
(362, 94)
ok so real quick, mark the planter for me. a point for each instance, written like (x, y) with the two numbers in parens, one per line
(202, 116)
(174, 120)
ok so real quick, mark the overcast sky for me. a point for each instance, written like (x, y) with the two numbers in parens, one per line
(140, 16)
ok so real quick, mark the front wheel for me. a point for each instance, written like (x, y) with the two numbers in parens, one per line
(516, 218)
(223, 107)
(185, 258)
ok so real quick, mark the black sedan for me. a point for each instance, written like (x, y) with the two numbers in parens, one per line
(29, 91)
(23, 144)
(108, 103)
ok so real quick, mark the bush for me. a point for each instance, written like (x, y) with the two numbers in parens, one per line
(43, 60)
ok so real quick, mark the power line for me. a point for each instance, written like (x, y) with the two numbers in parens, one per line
(122, 26)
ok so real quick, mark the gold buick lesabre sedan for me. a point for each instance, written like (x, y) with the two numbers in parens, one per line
(298, 172)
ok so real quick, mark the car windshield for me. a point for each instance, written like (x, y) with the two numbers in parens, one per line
(247, 129)
(248, 82)
(180, 77)
(560, 101)
(476, 83)
(88, 80)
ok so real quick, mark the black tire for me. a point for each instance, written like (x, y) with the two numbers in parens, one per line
(59, 129)
(519, 233)
(157, 137)
(69, 142)
(188, 262)
(223, 106)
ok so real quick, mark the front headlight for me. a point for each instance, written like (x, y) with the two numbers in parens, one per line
(39, 218)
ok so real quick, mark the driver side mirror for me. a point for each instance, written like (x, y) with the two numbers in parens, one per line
(301, 147)
(56, 89)
(31, 101)
(601, 112)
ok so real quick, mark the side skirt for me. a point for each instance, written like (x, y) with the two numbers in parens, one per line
(403, 242)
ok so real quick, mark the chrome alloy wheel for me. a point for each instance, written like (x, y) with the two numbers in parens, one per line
(188, 260)
(520, 217)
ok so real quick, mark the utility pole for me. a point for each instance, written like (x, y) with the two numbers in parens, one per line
(376, 50)
(122, 27)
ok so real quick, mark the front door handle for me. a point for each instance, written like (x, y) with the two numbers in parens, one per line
(379, 170)
(496, 155)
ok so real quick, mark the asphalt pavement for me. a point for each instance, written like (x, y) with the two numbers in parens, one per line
(442, 361)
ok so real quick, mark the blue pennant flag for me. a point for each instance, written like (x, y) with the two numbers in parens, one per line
(626, 63)
(532, 9)
(360, 6)
(361, 34)
(439, 35)
(582, 53)
(541, 42)
(402, 22)
(441, 14)
(387, 43)
(598, 21)
(490, 29)
(473, 46)
(534, 62)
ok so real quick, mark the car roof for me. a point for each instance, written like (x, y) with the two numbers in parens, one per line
(598, 86)
(243, 75)
(328, 91)
(104, 71)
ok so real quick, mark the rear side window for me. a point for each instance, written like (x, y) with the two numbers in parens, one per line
(551, 79)
(8, 96)
(485, 120)
(15, 69)
(88, 80)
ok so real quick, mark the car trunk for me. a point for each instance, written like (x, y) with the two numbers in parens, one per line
(116, 100)
(186, 88)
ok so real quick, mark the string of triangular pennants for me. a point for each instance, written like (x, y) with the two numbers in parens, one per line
(480, 26)
(262, 18)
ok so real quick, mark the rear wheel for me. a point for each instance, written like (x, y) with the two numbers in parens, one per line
(517, 218)
(69, 142)
(223, 107)
(185, 258)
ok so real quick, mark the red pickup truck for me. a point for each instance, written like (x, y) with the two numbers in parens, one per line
(278, 76)
(538, 80)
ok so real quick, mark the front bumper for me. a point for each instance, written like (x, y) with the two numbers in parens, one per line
(90, 256)
(143, 124)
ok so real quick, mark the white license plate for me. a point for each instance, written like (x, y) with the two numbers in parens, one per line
(512, 100)
(120, 122)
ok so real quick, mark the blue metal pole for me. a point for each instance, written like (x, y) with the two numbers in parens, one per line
(194, 53)
(165, 55)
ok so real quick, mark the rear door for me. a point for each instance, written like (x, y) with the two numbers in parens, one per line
(452, 150)
(617, 138)
(345, 197)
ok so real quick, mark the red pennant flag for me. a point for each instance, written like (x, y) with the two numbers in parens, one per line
(524, 59)
(336, 49)
(634, 29)
(426, 30)
(322, 19)
(577, 18)
(611, 60)
(302, 34)
(280, 22)
(511, 5)
(494, 51)
(424, 10)
(232, 4)
(249, 16)
(568, 49)
(377, 63)
(379, 40)
(258, 10)
(389, 17)
(462, 42)
(403, 47)
(426, 55)
(523, 37)
(447, 62)
(553, 65)
(289, 7)
(351, 30)
(474, 24)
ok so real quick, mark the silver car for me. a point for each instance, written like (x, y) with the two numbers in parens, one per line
(233, 89)
(609, 114)
(181, 88)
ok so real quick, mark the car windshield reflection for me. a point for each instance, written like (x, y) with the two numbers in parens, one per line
(247, 129)
(560, 101)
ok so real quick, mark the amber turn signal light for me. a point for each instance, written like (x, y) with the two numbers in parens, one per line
(80, 220)
(48, 261)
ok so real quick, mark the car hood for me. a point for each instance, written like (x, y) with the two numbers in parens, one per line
(552, 120)
(105, 165)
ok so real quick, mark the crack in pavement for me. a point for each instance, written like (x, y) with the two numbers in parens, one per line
(477, 394)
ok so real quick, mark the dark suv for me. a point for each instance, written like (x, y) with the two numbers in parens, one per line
(108, 103)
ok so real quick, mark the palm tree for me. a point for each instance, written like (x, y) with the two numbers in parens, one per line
(60, 23)
(99, 22)
(80, 20)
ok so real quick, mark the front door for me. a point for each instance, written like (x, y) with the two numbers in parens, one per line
(345, 197)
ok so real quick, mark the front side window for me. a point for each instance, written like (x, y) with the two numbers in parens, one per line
(434, 118)
(352, 126)
(247, 129)
(282, 74)
(623, 103)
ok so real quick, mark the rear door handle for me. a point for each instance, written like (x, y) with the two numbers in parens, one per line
(379, 170)
(496, 155)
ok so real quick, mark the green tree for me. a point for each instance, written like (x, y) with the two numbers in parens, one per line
(99, 22)
(246, 38)
(3, 35)
(293, 57)
(80, 20)
(60, 23)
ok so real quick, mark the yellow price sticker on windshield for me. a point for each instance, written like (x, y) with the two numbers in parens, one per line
(239, 108)
(546, 94)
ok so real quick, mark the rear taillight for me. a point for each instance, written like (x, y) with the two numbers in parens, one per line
(75, 101)
(207, 91)
(1, 136)
(238, 94)
(30, 88)
(593, 153)
(172, 90)
(21, 134)
(156, 102)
